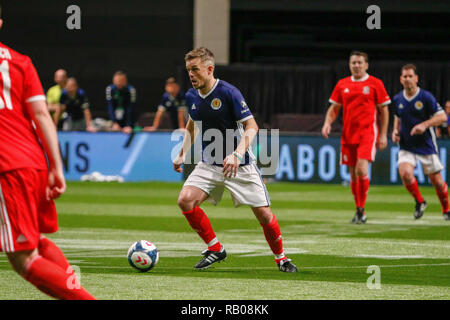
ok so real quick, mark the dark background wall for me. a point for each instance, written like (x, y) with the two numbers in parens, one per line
(146, 39)
(286, 55)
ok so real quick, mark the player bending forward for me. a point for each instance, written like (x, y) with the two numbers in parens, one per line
(27, 186)
(215, 106)
(416, 114)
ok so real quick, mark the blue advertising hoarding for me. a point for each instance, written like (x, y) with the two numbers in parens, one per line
(138, 157)
(147, 157)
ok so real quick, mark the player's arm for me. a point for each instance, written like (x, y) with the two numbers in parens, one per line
(436, 120)
(157, 120)
(47, 133)
(396, 130)
(330, 117)
(188, 140)
(231, 162)
(181, 118)
(384, 123)
(57, 114)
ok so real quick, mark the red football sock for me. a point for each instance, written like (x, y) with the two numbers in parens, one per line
(363, 189)
(413, 188)
(199, 221)
(50, 251)
(443, 197)
(273, 236)
(354, 187)
(54, 281)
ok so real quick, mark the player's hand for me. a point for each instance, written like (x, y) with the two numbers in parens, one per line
(326, 129)
(91, 129)
(177, 163)
(395, 136)
(116, 127)
(382, 142)
(149, 129)
(127, 129)
(418, 129)
(231, 165)
(56, 184)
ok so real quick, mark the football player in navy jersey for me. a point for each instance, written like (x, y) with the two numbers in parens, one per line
(218, 111)
(416, 114)
(121, 101)
(174, 103)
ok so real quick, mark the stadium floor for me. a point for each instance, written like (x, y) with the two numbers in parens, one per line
(99, 221)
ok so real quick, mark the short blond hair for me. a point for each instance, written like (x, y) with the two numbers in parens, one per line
(203, 53)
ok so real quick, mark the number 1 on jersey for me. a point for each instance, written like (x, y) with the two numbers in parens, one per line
(4, 70)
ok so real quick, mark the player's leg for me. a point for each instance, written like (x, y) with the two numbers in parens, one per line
(189, 201)
(49, 250)
(47, 276)
(202, 184)
(366, 151)
(273, 237)
(348, 157)
(441, 189)
(406, 172)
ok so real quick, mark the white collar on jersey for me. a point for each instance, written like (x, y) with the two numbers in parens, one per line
(212, 89)
(413, 97)
(362, 79)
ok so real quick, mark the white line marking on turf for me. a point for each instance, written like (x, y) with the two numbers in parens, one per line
(301, 268)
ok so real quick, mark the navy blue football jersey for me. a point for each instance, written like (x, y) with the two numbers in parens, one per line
(412, 111)
(75, 105)
(219, 112)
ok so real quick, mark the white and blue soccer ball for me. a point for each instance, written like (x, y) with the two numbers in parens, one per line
(143, 255)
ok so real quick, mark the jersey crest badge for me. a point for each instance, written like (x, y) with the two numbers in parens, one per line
(346, 90)
(366, 90)
(400, 106)
(193, 107)
(216, 104)
(418, 105)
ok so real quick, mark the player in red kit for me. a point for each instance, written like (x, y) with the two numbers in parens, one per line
(364, 101)
(31, 177)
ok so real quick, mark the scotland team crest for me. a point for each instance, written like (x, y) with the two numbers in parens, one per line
(400, 106)
(418, 105)
(216, 104)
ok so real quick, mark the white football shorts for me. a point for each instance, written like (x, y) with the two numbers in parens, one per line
(430, 163)
(247, 188)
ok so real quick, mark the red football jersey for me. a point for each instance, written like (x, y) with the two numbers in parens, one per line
(19, 84)
(359, 99)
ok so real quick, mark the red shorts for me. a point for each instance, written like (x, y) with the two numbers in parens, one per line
(366, 149)
(25, 212)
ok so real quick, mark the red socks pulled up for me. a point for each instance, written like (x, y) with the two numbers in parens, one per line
(442, 194)
(274, 239)
(360, 188)
(199, 221)
(413, 188)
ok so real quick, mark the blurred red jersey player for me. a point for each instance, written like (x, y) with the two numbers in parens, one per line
(31, 177)
(364, 101)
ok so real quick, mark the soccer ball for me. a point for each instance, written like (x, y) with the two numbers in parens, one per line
(143, 255)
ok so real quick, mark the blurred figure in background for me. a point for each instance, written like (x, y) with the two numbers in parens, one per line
(121, 101)
(363, 99)
(443, 131)
(54, 94)
(174, 102)
(75, 102)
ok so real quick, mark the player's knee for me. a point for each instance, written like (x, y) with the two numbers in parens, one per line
(406, 175)
(186, 201)
(19, 260)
